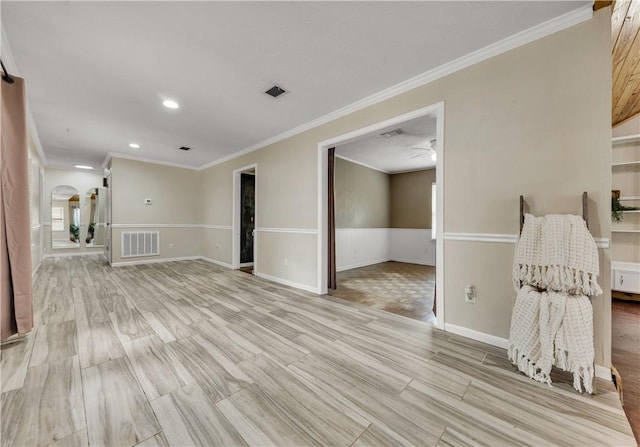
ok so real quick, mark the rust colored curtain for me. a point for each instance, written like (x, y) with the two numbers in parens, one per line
(16, 314)
(332, 276)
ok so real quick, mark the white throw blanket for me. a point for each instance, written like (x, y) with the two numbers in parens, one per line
(554, 327)
(557, 252)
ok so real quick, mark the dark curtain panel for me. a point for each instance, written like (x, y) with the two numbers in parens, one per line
(15, 225)
(331, 240)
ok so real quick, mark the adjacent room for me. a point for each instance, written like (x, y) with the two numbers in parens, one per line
(385, 214)
(324, 223)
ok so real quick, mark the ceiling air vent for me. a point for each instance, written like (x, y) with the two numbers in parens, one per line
(185, 148)
(392, 133)
(276, 91)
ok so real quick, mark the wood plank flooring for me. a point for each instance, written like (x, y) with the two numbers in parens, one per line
(625, 355)
(189, 353)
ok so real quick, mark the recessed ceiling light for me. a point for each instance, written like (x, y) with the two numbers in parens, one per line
(168, 103)
(83, 167)
(434, 156)
(134, 145)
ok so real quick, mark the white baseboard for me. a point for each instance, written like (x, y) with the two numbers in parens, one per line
(215, 261)
(154, 261)
(602, 372)
(477, 335)
(413, 261)
(286, 282)
(70, 255)
(361, 264)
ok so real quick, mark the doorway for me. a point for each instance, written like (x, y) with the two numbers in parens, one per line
(244, 219)
(327, 218)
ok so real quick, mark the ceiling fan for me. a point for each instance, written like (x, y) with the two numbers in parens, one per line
(427, 151)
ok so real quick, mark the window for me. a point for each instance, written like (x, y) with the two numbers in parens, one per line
(434, 202)
(57, 218)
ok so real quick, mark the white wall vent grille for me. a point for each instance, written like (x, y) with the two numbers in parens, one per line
(140, 243)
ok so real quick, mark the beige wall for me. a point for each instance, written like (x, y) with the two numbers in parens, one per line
(82, 181)
(531, 121)
(411, 199)
(174, 192)
(362, 198)
(534, 121)
(175, 210)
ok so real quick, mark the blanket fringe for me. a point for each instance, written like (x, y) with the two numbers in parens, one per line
(556, 277)
(526, 366)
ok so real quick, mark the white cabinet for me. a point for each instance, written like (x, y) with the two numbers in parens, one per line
(625, 277)
(627, 281)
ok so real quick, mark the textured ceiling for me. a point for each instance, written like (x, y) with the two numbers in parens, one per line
(97, 72)
(408, 151)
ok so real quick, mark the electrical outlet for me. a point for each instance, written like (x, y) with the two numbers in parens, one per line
(218, 245)
(170, 244)
(286, 261)
(470, 294)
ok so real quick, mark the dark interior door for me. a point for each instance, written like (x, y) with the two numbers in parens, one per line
(247, 216)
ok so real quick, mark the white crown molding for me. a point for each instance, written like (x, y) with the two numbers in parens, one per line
(626, 139)
(287, 230)
(539, 31)
(362, 164)
(601, 242)
(407, 171)
(10, 63)
(66, 167)
(111, 155)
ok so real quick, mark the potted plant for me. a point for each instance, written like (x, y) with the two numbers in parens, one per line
(74, 230)
(618, 208)
(90, 232)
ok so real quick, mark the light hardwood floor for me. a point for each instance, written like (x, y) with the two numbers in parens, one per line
(189, 353)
